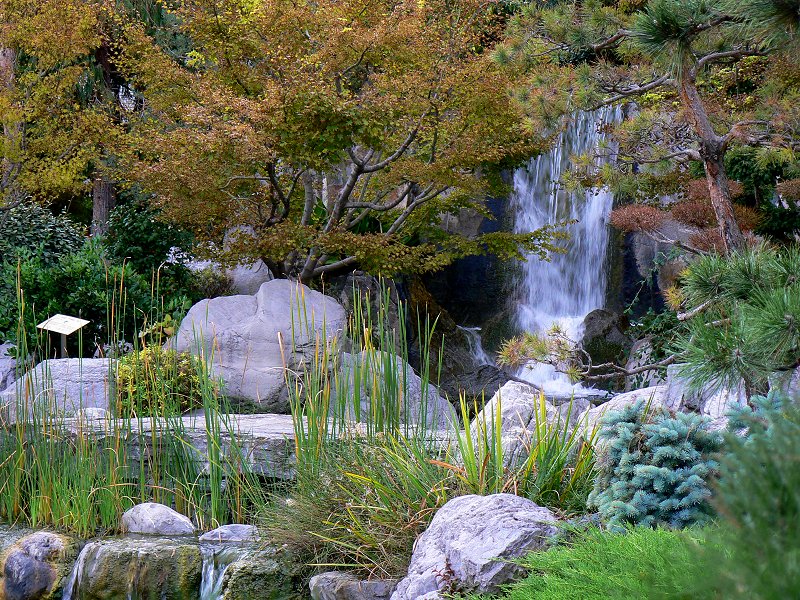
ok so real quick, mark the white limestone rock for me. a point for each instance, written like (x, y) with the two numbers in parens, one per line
(151, 518)
(65, 387)
(247, 337)
(470, 542)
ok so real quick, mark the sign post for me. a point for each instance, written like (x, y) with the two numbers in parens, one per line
(65, 325)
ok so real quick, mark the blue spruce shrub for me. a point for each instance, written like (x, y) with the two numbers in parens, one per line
(656, 468)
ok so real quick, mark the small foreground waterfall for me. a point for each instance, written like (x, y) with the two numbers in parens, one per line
(566, 289)
(215, 562)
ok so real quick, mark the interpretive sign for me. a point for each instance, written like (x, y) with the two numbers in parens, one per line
(65, 325)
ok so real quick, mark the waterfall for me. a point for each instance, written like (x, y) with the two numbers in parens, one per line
(75, 576)
(93, 559)
(475, 345)
(216, 561)
(565, 289)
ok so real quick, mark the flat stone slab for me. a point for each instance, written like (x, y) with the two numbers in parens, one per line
(266, 441)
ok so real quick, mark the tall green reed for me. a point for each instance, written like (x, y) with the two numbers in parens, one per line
(81, 474)
(372, 470)
(550, 462)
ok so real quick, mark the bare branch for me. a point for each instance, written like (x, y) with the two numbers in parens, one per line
(611, 42)
(622, 372)
(729, 54)
(685, 316)
(350, 260)
(637, 90)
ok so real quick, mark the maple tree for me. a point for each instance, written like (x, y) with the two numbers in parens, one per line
(706, 76)
(324, 136)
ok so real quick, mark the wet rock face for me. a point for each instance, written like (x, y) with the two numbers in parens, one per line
(34, 567)
(603, 336)
(151, 518)
(136, 567)
(262, 574)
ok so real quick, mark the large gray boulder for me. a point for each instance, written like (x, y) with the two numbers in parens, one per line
(654, 397)
(65, 386)
(641, 354)
(151, 518)
(231, 533)
(470, 543)
(713, 400)
(374, 370)
(337, 585)
(604, 338)
(245, 278)
(787, 383)
(246, 338)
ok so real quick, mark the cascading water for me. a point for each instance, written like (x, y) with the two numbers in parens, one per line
(215, 562)
(136, 580)
(475, 344)
(565, 289)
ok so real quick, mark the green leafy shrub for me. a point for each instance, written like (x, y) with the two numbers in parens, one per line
(30, 228)
(86, 284)
(211, 283)
(757, 551)
(137, 234)
(154, 381)
(656, 468)
(139, 237)
(639, 564)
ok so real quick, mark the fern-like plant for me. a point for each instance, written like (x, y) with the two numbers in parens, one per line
(655, 469)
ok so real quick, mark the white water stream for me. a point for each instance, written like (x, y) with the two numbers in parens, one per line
(216, 561)
(566, 289)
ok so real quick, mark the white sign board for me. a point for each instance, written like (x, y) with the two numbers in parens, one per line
(62, 324)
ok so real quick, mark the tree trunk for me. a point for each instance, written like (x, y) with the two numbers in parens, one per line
(11, 131)
(712, 151)
(719, 190)
(104, 198)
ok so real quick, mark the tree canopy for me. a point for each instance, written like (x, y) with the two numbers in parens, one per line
(319, 137)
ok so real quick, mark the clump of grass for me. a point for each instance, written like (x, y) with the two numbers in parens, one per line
(371, 472)
(364, 506)
(639, 564)
(553, 464)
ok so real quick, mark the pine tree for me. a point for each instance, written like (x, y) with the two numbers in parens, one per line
(743, 313)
